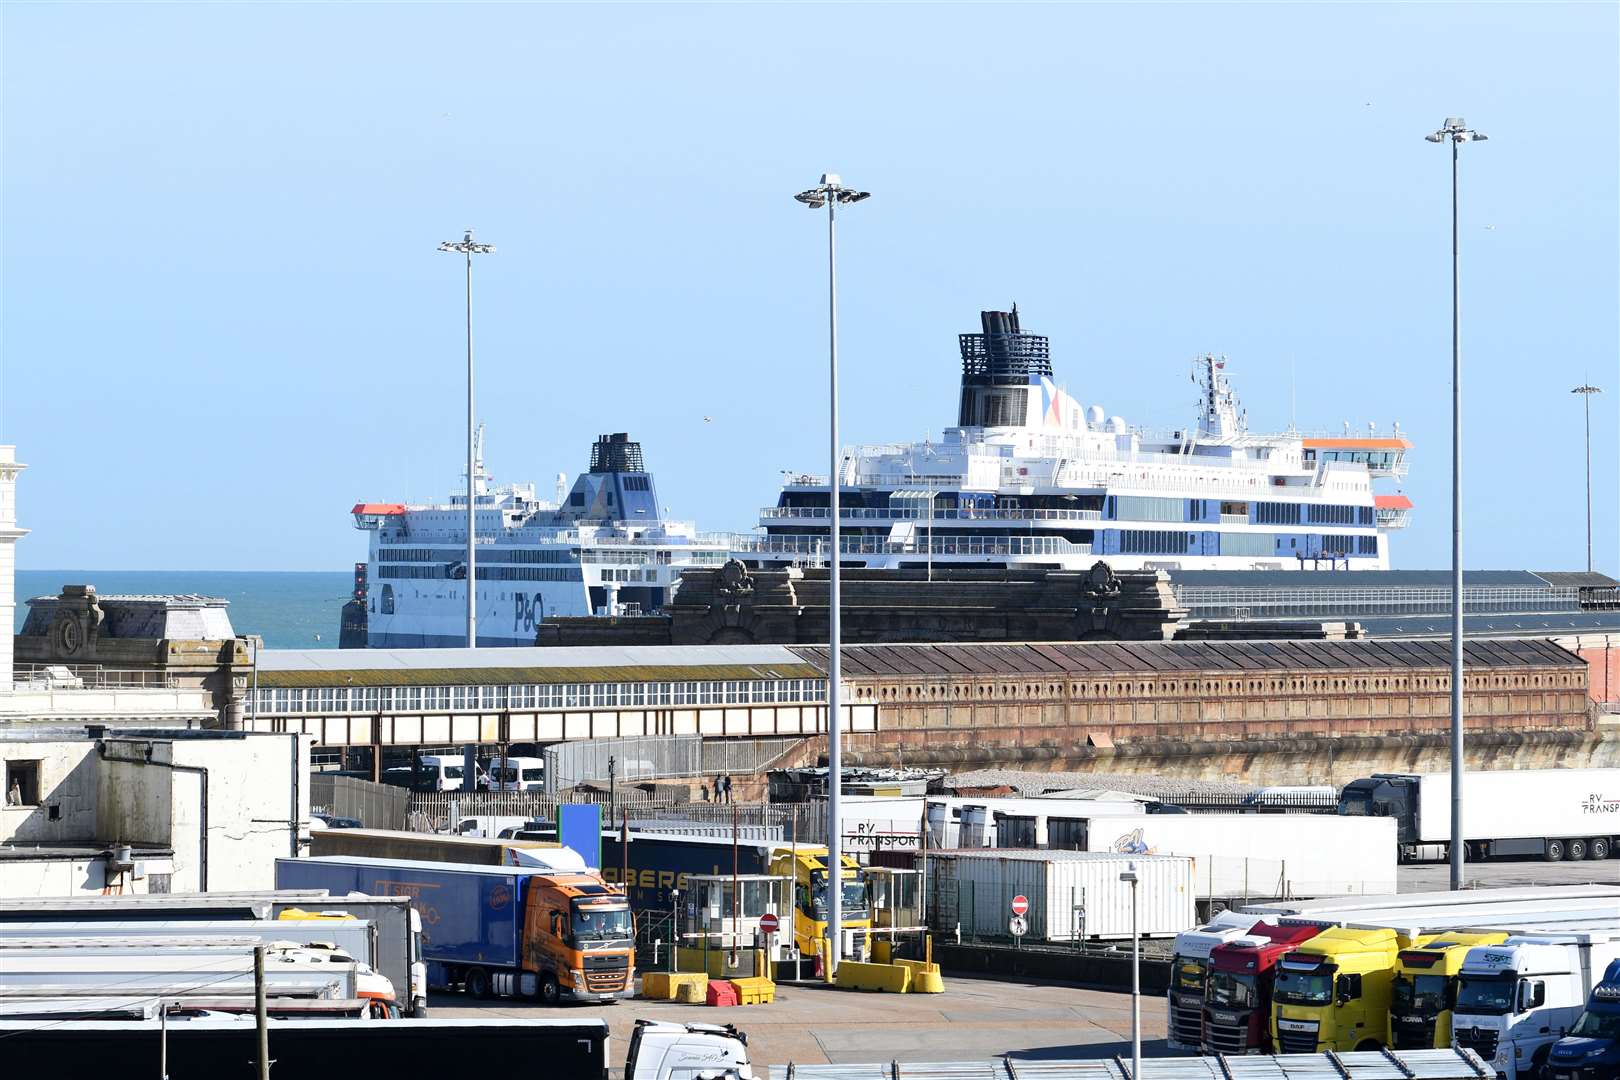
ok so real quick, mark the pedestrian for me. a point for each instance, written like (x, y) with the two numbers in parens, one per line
(727, 779)
(719, 789)
(705, 789)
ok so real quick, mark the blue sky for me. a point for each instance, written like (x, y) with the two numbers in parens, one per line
(225, 321)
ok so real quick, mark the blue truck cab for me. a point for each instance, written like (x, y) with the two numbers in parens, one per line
(1591, 1050)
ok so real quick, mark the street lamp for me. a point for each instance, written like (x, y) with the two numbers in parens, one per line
(1129, 875)
(1456, 131)
(830, 193)
(1586, 390)
(466, 246)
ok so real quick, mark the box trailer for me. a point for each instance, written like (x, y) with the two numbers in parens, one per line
(1239, 856)
(1072, 895)
(433, 847)
(1552, 813)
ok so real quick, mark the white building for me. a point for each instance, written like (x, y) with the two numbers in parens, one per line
(113, 780)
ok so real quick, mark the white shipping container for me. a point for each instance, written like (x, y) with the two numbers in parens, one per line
(1072, 894)
(1244, 855)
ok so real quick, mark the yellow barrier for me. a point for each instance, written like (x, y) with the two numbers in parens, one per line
(854, 975)
(755, 991)
(666, 985)
(715, 961)
(925, 977)
(693, 991)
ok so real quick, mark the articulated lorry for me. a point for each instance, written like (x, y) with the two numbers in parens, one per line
(1591, 1050)
(492, 930)
(1333, 992)
(1242, 977)
(395, 933)
(1517, 998)
(1425, 989)
(1550, 813)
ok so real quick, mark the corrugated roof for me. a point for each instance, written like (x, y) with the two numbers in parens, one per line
(1113, 658)
(458, 667)
(1577, 579)
(1350, 579)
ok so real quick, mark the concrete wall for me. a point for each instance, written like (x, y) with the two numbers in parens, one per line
(257, 809)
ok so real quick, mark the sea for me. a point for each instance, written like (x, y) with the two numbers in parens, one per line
(288, 609)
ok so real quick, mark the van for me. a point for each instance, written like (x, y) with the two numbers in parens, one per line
(517, 774)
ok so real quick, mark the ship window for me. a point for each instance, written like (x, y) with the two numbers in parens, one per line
(387, 599)
(577, 499)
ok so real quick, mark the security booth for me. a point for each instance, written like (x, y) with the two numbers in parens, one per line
(720, 925)
(898, 926)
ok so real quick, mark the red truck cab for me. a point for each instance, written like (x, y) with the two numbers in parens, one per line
(1237, 993)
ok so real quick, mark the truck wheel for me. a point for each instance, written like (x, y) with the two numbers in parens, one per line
(1577, 850)
(477, 983)
(1599, 848)
(550, 992)
(1554, 852)
(1369, 1044)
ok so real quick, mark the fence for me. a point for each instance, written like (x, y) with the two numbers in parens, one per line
(431, 811)
(375, 806)
(659, 757)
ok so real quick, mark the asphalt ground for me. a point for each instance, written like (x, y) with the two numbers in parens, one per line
(975, 1019)
(1435, 877)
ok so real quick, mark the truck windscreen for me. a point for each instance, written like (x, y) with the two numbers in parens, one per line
(1593, 1025)
(1490, 995)
(1424, 995)
(854, 898)
(600, 927)
(1300, 988)
(1232, 990)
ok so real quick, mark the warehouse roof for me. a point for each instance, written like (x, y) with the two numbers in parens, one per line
(462, 667)
(1099, 657)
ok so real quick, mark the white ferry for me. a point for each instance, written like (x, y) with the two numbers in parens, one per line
(1030, 478)
(602, 548)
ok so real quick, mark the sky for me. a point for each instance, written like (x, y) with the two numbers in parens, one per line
(225, 321)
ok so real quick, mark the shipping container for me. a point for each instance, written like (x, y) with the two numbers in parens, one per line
(1073, 895)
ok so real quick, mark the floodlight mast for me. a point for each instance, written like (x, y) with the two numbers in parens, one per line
(831, 193)
(468, 247)
(1456, 131)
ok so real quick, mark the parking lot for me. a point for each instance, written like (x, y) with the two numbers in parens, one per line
(1433, 877)
(974, 1019)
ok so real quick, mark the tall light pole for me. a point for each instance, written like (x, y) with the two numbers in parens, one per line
(1129, 875)
(466, 246)
(830, 193)
(1586, 390)
(1456, 132)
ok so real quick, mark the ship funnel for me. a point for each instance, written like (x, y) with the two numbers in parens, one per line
(998, 367)
(616, 453)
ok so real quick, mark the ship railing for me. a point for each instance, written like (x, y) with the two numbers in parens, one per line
(943, 513)
(939, 545)
(1393, 517)
(1234, 519)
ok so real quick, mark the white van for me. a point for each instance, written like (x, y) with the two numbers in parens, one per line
(517, 774)
(443, 772)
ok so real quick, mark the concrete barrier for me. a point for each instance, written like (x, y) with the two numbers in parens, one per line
(925, 977)
(891, 978)
(666, 985)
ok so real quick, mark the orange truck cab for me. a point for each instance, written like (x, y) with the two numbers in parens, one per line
(578, 940)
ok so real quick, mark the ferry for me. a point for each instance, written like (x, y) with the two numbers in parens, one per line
(603, 547)
(1030, 478)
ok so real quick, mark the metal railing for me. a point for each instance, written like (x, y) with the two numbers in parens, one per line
(659, 757)
(950, 513)
(939, 545)
(431, 811)
(89, 677)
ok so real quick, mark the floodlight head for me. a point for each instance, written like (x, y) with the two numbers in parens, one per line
(1456, 123)
(1436, 137)
(815, 198)
(1475, 136)
(831, 180)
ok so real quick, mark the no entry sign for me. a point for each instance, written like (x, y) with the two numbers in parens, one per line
(1020, 904)
(767, 923)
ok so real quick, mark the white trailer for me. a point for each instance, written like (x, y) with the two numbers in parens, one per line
(1073, 895)
(355, 938)
(1552, 813)
(1239, 856)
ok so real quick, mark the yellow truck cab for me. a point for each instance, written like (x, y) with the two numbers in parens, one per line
(578, 939)
(807, 866)
(1333, 992)
(1425, 989)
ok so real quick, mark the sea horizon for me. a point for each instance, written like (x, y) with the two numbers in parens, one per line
(288, 609)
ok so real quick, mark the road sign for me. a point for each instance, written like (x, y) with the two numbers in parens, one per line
(1017, 926)
(1020, 904)
(767, 923)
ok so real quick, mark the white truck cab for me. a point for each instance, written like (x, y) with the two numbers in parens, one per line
(1189, 969)
(1516, 999)
(663, 1050)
